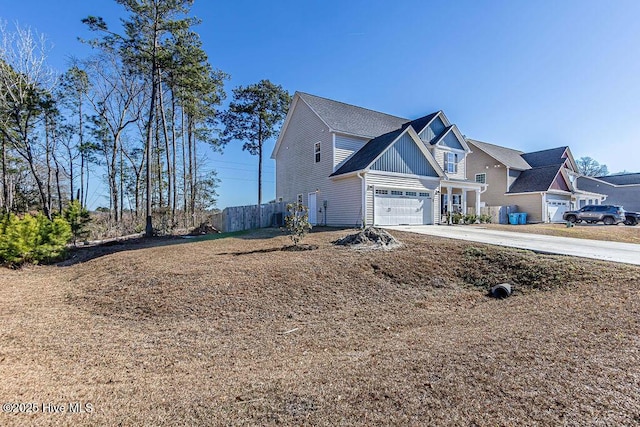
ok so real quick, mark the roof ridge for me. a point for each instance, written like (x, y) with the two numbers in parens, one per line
(352, 105)
(495, 145)
(548, 149)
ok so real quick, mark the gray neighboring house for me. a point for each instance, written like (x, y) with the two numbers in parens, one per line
(540, 183)
(354, 166)
(622, 189)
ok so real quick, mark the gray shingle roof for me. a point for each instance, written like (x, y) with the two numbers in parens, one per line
(622, 179)
(507, 156)
(535, 179)
(422, 122)
(367, 154)
(553, 156)
(350, 119)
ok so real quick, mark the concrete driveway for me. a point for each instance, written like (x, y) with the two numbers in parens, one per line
(627, 253)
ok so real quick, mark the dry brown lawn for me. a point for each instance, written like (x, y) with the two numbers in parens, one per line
(614, 233)
(234, 332)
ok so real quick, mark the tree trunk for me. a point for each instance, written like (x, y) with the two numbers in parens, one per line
(5, 185)
(260, 162)
(184, 169)
(166, 140)
(82, 154)
(47, 137)
(149, 221)
(174, 202)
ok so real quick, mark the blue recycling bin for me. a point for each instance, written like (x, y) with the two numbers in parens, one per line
(522, 218)
(513, 218)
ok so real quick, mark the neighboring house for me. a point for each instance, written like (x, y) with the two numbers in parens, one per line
(351, 165)
(541, 183)
(622, 189)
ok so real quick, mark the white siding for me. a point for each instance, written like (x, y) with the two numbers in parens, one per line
(438, 155)
(376, 180)
(345, 147)
(298, 173)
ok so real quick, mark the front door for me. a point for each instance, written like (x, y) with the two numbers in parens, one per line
(313, 209)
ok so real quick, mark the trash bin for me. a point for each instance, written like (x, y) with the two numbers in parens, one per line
(522, 218)
(513, 218)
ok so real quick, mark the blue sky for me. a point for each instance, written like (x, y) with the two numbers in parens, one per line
(527, 75)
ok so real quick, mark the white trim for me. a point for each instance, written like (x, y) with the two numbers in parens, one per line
(475, 178)
(363, 199)
(402, 175)
(608, 183)
(333, 150)
(285, 125)
(421, 146)
(435, 116)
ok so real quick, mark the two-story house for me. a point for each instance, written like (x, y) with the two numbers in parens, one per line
(621, 189)
(543, 183)
(354, 166)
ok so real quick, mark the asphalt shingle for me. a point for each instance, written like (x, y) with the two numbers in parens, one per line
(507, 156)
(535, 179)
(350, 119)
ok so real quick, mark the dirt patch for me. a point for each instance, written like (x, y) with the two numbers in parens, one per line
(369, 238)
(190, 334)
(203, 229)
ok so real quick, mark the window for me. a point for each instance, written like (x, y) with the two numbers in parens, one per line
(424, 194)
(382, 192)
(411, 193)
(396, 193)
(317, 151)
(450, 162)
(300, 198)
(481, 178)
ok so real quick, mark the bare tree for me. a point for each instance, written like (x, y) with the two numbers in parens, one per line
(590, 167)
(25, 84)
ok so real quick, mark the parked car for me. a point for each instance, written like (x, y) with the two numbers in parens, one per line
(631, 218)
(609, 214)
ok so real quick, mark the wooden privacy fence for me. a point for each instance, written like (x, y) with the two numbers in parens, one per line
(240, 218)
(499, 214)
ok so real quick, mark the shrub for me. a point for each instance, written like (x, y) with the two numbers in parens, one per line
(456, 217)
(32, 239)
(78, 219)
(297, 222)
(470, 219)
(484, 218)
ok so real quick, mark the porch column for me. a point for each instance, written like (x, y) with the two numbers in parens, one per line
(449, 200)
(464, 201)
(478, 202)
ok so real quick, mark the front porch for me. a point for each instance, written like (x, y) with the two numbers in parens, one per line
(454, 197)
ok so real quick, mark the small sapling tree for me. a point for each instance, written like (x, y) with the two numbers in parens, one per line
(78, 218)
(297, 222)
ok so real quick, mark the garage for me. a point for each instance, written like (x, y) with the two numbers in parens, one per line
(402, 207)
(555, 209)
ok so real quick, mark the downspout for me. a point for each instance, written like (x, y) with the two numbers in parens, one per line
(373, 204)
(364, 199)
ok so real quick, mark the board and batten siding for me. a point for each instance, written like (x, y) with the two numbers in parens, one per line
(434, 129)
(297, 172)
(345, 146)
(404, 156)
(380, 180)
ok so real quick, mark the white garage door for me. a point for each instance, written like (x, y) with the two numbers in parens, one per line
(396, 207)
(555, 209)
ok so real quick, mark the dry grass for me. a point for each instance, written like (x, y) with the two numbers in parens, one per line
(233, 332)
(613, 233)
